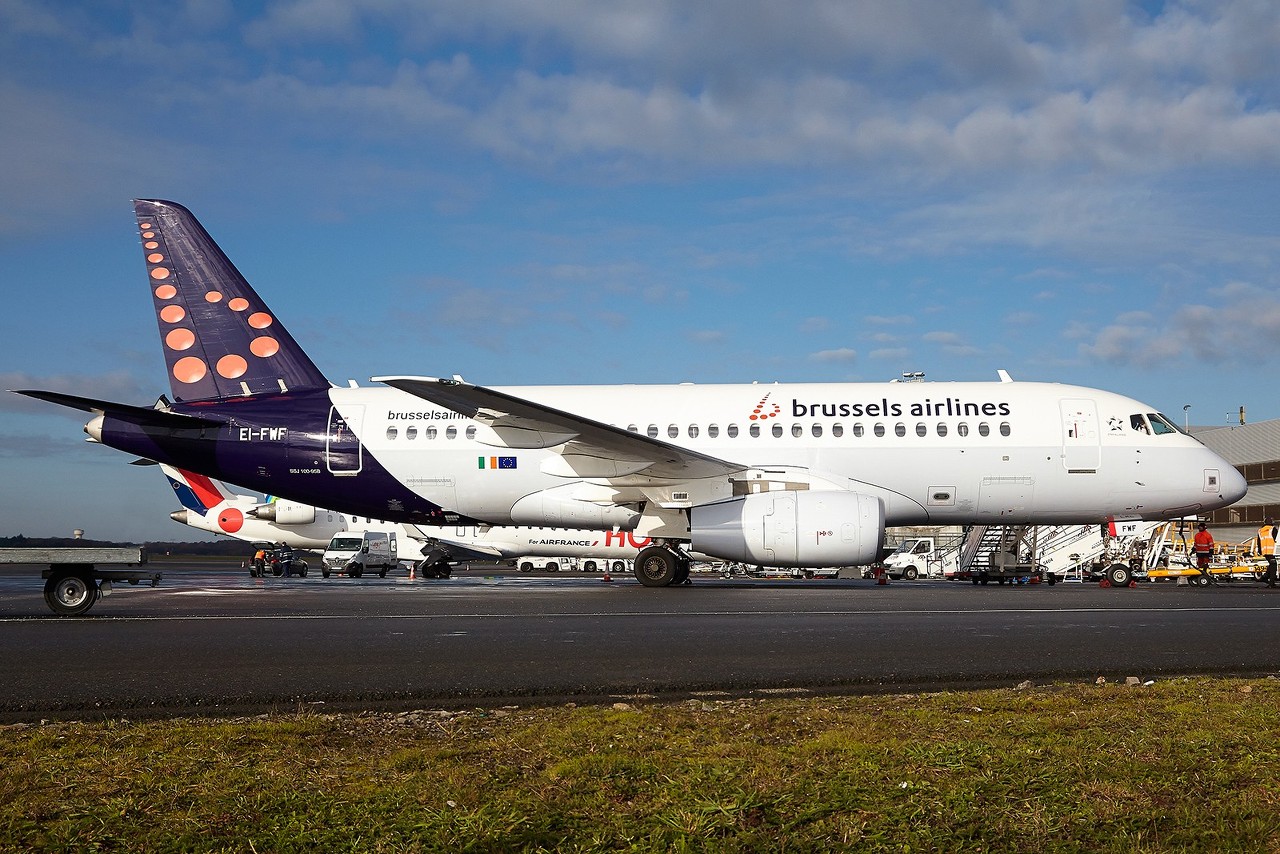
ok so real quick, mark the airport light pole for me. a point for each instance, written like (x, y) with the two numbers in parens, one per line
(1186, 418)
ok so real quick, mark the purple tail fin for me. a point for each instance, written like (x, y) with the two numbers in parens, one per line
(219, 338)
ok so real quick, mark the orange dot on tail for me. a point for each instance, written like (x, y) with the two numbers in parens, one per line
(189, 370)
(172, 313)
(213, 296)
(180, 339)
(238, 304)
(155, 258)
(232, 366)
(144, 225)
(264, 346)
(151, 244)
(166, 292)
(259, 320)
(160, 273)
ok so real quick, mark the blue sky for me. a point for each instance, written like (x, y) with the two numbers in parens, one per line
(575, 192)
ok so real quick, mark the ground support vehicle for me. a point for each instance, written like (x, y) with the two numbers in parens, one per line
(278, 561)
(546, 564)
(75, 579)
(921, 557)
(356, 552)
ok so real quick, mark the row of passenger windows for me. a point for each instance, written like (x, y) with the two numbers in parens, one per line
(693, 431)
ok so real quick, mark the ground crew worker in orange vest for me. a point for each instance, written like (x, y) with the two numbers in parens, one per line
(1203, 547)
(1267, 546)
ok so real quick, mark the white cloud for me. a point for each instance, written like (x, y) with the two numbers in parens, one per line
(838, 355)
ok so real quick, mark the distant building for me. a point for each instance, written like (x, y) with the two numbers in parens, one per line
(1254, 449)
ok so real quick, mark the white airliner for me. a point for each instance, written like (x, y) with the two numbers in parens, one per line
(802, 475)
(209, 506)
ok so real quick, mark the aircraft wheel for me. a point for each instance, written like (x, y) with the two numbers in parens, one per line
(656, 567)
(682, 571)
(70, 593)
(1119, 574)
(910, 573)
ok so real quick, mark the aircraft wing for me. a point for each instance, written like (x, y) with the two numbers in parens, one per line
(592, 448)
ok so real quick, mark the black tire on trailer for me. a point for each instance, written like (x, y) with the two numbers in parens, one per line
(69, 593)
(656, 567)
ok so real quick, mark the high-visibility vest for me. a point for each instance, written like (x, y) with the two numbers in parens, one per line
(1204, 542)
(1267, 540)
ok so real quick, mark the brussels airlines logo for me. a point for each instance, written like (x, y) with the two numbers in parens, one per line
(760, 413)
(885, 408)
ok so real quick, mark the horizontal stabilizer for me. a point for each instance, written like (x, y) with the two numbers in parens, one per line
(143, 416)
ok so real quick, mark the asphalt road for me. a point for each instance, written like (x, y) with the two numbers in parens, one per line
(214, 640)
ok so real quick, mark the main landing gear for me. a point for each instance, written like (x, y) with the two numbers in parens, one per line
(659, 566)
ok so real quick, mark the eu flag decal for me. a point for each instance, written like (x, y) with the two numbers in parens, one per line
(496, 462)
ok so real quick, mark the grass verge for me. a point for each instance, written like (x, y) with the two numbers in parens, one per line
(1189, 764)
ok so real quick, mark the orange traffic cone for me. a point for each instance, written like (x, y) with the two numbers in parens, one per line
(606, 576)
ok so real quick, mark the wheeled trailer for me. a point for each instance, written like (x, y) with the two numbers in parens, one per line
(75, 579)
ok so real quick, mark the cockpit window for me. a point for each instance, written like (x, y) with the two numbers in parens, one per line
(1160, 424)
(1137, 422)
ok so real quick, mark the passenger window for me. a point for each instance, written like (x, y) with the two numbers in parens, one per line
(857, 431)
(431, 432)
(921, 429)
(755, 431)
(942, 428)
(797, 430)
(392, 432)
(879, 430)
(984, 429)
(411, 432)
(451, 433)
(693, 431)
(471, 432)
(837, 430)
(673, 431)
(633, 428)
(732, 431)
(777, 431)
(817, 431)
(652, 431)
(962, 429)
(712, 431)
(1005, 430)
(900, 429)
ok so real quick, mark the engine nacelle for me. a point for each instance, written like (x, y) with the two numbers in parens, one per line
(542, 509)
(284, 512)
(791, 528)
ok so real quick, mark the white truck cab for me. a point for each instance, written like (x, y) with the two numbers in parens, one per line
(919, 557)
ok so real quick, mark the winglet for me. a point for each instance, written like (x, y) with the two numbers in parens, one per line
(220, 339)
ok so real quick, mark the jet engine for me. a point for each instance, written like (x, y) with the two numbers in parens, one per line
(284, 512)
(791, 528)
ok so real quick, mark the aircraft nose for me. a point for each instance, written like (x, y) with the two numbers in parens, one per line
(1233, 485)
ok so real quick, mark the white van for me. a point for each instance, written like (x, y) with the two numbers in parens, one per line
(354, 552)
